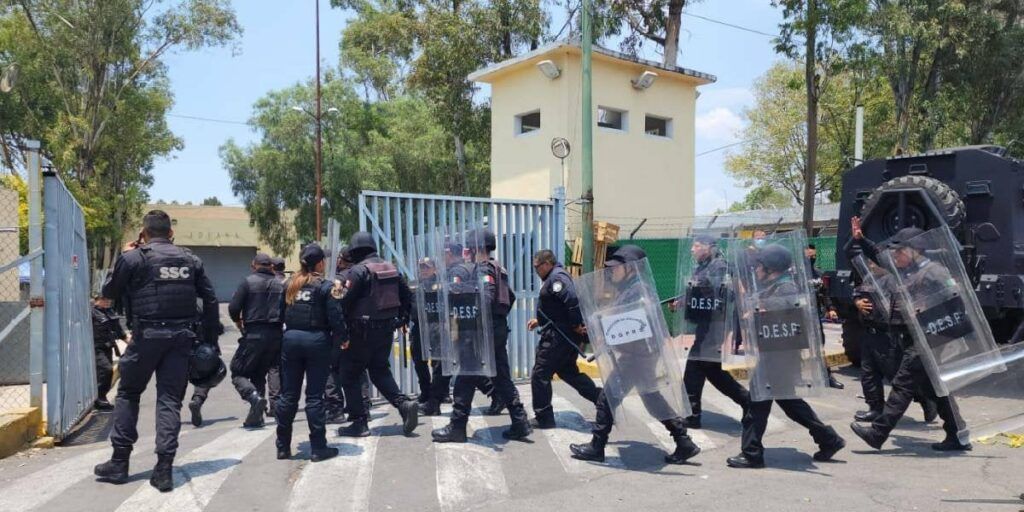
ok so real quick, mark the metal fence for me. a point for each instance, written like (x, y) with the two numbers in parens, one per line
(21, 340)
(70, 359)
(521, 228)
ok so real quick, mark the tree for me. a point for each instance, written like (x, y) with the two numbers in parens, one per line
(657, 21)
(212, 201)
(94, 90)
(774, 156)
(760, 198)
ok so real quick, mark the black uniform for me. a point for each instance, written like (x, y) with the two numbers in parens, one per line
(501, 298)
(376, 301)
(922, 278)
(106, 330)
(421, 363)
(558, 310)
(708, 272)
(201, 393)
(755, 421)
(159, 283)
(256, 305)
(314, 323)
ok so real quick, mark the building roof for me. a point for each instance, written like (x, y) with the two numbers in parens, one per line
(483, 75)
(211, 226)
(823, 214)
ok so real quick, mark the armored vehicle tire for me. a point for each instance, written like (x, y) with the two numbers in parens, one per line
(946, 200)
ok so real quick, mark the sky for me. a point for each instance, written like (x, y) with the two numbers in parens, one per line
(277, 50)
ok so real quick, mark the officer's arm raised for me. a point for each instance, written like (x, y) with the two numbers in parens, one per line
(118, 279)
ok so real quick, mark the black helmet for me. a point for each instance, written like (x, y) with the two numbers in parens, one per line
(482, 237)
(908, 237)
(205, 367)
(625, 254)
(361, 245)
(775, 258)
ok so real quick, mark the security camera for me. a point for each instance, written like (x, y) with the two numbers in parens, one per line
(645, 81)
(549, 69)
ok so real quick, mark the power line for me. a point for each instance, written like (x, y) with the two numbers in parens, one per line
(727, 146)
(731, 25)
(208, 119)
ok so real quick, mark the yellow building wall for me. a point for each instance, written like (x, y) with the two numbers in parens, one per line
(636, 175)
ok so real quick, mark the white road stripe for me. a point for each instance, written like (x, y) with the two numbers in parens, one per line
(636, 409)
(341, 483)
(729, 408)
(468, 474)
(200, 474)
(573, 428)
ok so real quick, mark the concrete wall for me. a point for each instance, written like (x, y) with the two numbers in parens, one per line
(635, 175)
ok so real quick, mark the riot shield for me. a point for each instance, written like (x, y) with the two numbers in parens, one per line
(940, 308)
(469, 350)
(994, 404)
(879, 284)
(782, 340)
(704, 301)
(431, 302)
(635, 352)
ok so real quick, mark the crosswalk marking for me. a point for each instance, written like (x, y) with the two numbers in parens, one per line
(635, 408)
(200, 474)
(729, 408)
(574, 428)
(468, 474)
(341, 483)
(34, 490)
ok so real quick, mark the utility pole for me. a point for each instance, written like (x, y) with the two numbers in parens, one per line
(588, 143)
(319, 137)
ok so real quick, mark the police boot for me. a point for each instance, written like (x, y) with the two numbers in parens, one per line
(867, 416)
(519, 431)
(450, 433)
(592, 451)
(163, 477)
(952, 444)
(115, 470)
(741, 461)
(358, 428)
(833, 382)
(335, 417)
(544, 421)
(410, 411)
(686, 449)
(195, 407)
(869, 435)
(101, 404)
(431, 408)
(826, 452)
(257, 404)
(931, 411)
(322, 454)
(692, 421)
(497, 406)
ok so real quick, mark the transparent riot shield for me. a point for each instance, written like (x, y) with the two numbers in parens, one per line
(703, 308)
(994, 405)
(939, 306)
(431, 302)
(469, 350)
(879, 284)
(635, 352)
(782, 339)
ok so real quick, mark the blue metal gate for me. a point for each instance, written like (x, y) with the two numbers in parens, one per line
(521, 227)
(70, 362)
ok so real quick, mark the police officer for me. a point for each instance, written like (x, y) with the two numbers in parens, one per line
(279, 268)
(501, 298)
(421, 364)
(440, 384)
(640, 359)
(314, 323)
(106, 331)
(772, 264)
(335, 395)
(376, 300)
(881, 350)
(814, 275)
(160, 283)
(255, 309)
(562, 335)
(710, 272)
(921, 277)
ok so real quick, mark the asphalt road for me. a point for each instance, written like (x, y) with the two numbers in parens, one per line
(222, 467)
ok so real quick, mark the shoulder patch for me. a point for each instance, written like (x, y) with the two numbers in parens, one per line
(338, 290)
(557, 287)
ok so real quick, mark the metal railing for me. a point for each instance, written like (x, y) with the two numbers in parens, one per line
(522, 227)
(70, 358)
(21, 333)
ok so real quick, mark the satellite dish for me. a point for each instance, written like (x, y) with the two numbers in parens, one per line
(8, 78)
(560, 148)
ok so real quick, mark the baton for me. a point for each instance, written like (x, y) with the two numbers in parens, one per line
(405, 355)
(551, 325)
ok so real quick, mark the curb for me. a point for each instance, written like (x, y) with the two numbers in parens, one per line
(18, 427)
(833, 360)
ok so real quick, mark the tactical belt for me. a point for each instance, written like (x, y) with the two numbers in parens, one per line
(366, 323)
(181, 323)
